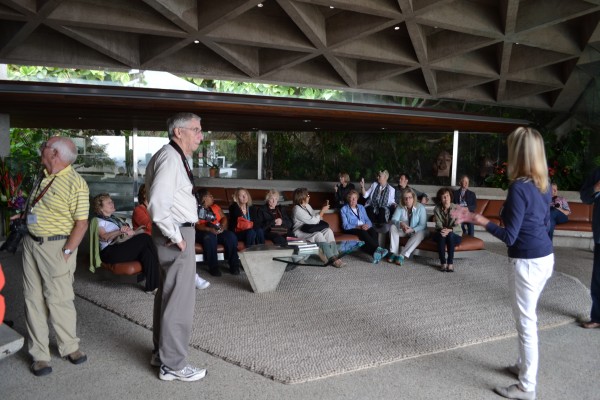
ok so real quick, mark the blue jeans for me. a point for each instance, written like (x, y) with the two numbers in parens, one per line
(468, 229)
(251, 236)
(595, 286)
(209, 242)
(556, 218)
(450, 241)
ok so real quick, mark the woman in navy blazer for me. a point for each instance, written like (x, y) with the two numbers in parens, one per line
(526, 217)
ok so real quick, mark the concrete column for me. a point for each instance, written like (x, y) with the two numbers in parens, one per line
(262, 142)
(4, 135)
(454, 159)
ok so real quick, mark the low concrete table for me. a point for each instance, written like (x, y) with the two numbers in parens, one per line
(262, 271)
(10, 341)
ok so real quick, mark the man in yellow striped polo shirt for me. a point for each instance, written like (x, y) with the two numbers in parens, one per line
(57, 221)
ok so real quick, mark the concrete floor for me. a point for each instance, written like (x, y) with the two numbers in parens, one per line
(119, 353)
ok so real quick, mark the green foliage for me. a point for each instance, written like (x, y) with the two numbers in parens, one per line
(567, 166)
(39, 73)
(322, 155)
(266, 89)
(566, 158)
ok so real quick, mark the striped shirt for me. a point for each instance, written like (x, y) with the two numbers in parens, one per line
(67, 200)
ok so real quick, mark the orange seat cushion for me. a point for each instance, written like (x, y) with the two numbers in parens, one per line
(124, 268)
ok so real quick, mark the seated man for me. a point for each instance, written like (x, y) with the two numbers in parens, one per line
(466, 198)
(211, 230)
(379, 198)
(403, 184)
(559, 210)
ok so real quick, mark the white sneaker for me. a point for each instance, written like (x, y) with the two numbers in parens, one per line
(187, 374)
(513, 392)
(201, 283)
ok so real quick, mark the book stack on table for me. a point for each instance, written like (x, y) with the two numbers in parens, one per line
(303, 247)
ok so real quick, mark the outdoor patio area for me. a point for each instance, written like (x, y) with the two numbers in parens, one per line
(119, 353)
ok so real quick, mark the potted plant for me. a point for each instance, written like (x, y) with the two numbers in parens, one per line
(214, 170)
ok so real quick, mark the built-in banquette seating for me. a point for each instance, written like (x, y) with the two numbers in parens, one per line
(580, 219)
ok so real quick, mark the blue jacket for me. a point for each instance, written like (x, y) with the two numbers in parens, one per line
(419, 218)
(350, 220)
(526, 217)
(589, 197)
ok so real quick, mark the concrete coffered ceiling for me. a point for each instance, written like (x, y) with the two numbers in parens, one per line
(525, 53)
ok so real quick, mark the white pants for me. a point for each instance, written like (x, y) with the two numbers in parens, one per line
(527, 280)
(413, 241)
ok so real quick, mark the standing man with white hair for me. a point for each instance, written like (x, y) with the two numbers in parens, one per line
(174, 212)
(57, 221)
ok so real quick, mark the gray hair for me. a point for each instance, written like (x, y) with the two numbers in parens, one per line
(272, 193)
(178, 120)
(66, 149)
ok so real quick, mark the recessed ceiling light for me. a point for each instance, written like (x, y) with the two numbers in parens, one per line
(260, 5)
(306, 120)
(196, 41)
(331, 7)
(383, 129)
(396, 28)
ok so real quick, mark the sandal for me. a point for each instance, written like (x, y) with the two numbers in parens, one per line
(399, 260)
(450, 268)
(339, 263)
(444, 268)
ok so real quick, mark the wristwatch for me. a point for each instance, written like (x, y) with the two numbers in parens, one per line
(67, 252)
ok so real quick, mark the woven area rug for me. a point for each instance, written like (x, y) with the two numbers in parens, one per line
(326, 321)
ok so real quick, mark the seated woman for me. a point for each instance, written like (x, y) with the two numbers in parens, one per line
(241, 219)
(356, 221)
(303, 214)
(379, 198)
(274, 220)
(409, 219)
(342, 190)
(210, 232)
(141, 217)
(447, 231)
(559, 210)
(136, 248)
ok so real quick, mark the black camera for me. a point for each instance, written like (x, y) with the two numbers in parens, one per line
(18, 230)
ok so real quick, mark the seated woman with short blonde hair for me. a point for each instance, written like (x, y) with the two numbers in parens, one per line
(274, 219)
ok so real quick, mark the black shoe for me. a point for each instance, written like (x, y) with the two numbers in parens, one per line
(77, 357)
(215, 272)
(235, 270)
(40, 368)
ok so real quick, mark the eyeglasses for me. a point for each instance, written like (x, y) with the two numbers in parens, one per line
(43, 147)
(407, 198)
(195, 130)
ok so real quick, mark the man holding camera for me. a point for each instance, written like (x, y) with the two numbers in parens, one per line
(57, 220)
